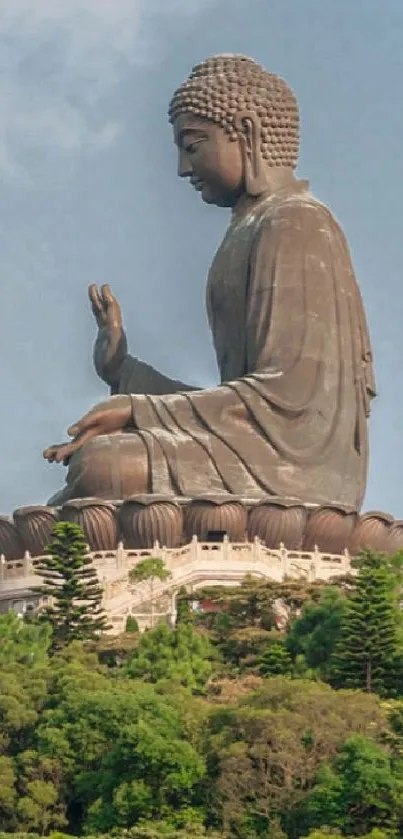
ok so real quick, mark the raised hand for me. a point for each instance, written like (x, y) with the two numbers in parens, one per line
(105, 307)
(106, 418)
(110, 348)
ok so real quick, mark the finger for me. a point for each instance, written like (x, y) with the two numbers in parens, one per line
(70, 448)
(96, 301)
(107, 295)
(51, 452)
(48, 454)
(64, 453)
(83, 424)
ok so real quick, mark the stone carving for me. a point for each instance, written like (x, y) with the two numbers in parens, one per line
(34, 525)
(97, 519)
(145, 520)
(395, 538)
(290, 415)
(372, 531)
(278, 521)
(330, 527)
(11, 545)
(210, 515)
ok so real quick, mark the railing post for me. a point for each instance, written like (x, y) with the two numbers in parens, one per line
(225, 548)
(3, 566)
(196, 551)
(174, 610)
(317, 564)
(120, 555)
(285, 565)
(27, 564)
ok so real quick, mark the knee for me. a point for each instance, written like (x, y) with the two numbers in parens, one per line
(113, 467)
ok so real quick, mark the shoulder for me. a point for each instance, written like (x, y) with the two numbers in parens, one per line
(297, 211)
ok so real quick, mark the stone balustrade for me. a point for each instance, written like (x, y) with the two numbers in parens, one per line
(194, 565)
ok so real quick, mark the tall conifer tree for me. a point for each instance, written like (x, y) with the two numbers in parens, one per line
(70, 581)
(368, 645)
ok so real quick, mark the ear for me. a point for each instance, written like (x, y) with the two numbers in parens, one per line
(248, 127)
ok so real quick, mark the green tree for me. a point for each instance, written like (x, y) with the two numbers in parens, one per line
(368, 643)
(180, 655)
(243, 620)
(150, 570)
(38, 783)
(127, 753)
(315, 632)
(359, 792)
(22, 643)
(252, 602)
(183, 611)
(271, 745)
(8, 793)
(156, 830)
(131, 624)
(71, 582)
(276, 661)
(324, 833)
(23, 692)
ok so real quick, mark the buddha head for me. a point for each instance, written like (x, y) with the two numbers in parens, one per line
(236, 127)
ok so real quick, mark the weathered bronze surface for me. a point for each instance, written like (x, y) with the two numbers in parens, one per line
(289, 418)
(142, 520)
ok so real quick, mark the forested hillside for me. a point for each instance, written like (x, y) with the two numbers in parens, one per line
(230, 725)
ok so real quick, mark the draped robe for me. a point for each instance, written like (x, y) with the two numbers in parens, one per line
(290, 415)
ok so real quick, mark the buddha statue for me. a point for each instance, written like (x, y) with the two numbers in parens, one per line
(289, 417)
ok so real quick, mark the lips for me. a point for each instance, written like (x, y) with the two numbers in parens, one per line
(197, 185)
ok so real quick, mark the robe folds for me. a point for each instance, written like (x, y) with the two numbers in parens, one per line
(290, 415)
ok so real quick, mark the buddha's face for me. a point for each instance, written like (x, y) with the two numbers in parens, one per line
(209, 159)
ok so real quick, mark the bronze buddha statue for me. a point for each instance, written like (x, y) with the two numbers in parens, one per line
(289, 417)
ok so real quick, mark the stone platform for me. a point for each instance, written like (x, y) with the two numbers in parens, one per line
(141, 521)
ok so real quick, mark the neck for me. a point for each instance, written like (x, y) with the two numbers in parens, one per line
(275, 180)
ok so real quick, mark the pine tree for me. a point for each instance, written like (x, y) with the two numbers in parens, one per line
(276, 661)
(70, 581)
(368, 643)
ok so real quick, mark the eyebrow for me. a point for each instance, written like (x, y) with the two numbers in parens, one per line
(184, 131)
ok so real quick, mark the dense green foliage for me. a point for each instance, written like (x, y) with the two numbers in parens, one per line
(313, 635)
(360, 791)
(179, 655)
(230, 725)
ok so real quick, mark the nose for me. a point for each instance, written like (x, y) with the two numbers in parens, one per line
(184, 165)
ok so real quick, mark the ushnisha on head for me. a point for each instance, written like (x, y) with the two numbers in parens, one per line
(250, 107)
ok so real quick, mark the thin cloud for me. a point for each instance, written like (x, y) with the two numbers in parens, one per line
(58, 58)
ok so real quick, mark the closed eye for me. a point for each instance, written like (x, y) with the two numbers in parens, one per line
(190, 148)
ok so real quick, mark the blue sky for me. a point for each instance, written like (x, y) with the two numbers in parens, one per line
(90, 194)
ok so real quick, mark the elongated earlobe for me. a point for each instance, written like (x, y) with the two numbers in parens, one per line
(248, 128)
